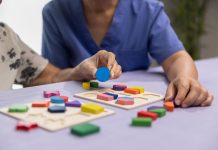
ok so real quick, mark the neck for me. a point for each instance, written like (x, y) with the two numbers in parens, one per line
(99, 5)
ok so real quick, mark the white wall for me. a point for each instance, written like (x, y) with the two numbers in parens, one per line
(25, 17)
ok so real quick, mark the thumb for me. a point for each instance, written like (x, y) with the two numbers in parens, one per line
(171, 92)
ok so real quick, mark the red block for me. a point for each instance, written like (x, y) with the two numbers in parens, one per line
(26, 126)
(65, 98)
(40, 104)
(151, 115)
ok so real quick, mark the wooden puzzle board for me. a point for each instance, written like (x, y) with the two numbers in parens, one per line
(140, 99)
(56, 121)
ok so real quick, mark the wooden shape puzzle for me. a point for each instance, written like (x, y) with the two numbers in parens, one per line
(48, 94)
(40, 104)
(92, 108)
(85, 129)
(144, 122)
(86, 85)
(146, 114)
(132, 91)
(55, 121)
(139, 99)
(169, 106)
(26, 126)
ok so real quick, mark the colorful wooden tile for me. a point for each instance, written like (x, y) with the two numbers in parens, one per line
(48, 94)
(132, 91)
(18, 108)
(94, 84)
(151, 115)
(125, 101)
(40, 104)
(119, 87)
(111, 94)
(145, 122)
(73, 104)
(160, 112)
(84, 129)
(26, 126)
(169, 106)
(141, 89)
(86, 85)
(104, 97)
(57, 100)
(102, 74)
(56, 109)
(154, 107)
(92, 108)
(65, 98)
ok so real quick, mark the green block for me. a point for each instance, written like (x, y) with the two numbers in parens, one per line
(147, 122)
(94, 84)
(84, 129)
(160, 112)
(18, 108)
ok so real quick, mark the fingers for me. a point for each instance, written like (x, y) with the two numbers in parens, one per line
(116, 71)
(171, 92)
(105, 59)
(202, 97)
(191, 97)
(208, 101)
(182, 87)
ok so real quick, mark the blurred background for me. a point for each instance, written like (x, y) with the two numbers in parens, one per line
(195, 21)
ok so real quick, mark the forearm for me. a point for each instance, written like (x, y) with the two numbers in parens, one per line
(180, 65)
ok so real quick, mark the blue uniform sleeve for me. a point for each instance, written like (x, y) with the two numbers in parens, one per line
(53, 47)
(163, 39)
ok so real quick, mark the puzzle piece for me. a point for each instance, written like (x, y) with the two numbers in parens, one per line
(84, 129)
(73, 104)
(26, 126)
(119, 87)
(160, 112)
(40, 104)
(94, 84)
(86, 85)
(104, 97)
(169, 106)
(65, 98)
(141, 90)
(154, 107)
(146, 122)
(57, 100)
(92, 108)
(132, 91)
(18, 108)
(111, 94)
(56, 109)
(125, 101)
(48, 94)
(151, 115)
(102, 74)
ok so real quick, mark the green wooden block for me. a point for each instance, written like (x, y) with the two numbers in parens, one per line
(94, 84)
(18, 108)
(147, 122)
(160, 112)
(84, 129)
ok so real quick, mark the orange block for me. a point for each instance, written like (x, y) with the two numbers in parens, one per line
(40, 104)
(169, 106)
(132, 91)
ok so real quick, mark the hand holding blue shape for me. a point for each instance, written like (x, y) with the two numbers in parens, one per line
(102, 74)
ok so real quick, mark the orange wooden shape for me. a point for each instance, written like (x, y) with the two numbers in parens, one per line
(131, 91)
(40, 104)
(169, 106)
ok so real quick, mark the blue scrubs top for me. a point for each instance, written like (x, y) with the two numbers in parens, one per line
(139, 28)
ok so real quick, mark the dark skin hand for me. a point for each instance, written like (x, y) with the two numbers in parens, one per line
(184, 86)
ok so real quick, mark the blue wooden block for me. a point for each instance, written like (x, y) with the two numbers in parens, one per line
(57, 100)
(111, 94)
(102, 74)
(126, 97)
(56, 109)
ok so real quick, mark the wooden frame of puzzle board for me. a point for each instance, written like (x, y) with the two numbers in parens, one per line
(139, 99)
(55, 121)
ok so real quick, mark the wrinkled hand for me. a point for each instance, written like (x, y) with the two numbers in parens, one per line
(188, 92)
(86, 70)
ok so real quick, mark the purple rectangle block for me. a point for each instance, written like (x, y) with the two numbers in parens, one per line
(73, 104)
(154, 107)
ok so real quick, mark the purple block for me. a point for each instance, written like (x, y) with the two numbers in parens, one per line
(73, 104)
(118, 88)
(154, 107)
